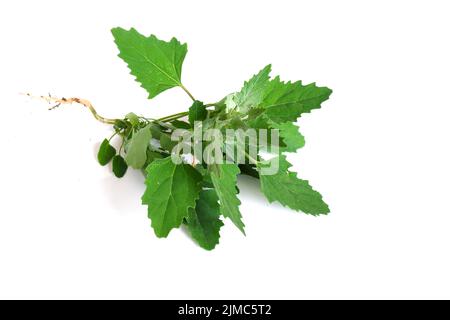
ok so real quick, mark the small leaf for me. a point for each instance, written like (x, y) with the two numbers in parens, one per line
(166, 142)
(229, 102)
(136, 154)
(119, 166)
(180, 124)
(105, 153)
(197, 112)
(133, 118)
(156, 130)
(203, 222)
(120, 125)
(152, 156)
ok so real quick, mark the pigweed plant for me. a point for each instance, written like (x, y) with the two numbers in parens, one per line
(192, 159)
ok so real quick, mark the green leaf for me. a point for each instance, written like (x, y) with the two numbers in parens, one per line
(287, 189)
(137, 148)
(229, 103)
(224, 179)
(257, 119)
(166, 142)
(119, 166)
(156, 130)
(152, 156)
(120, 125)
(197, 112)
(204, 223)
(282, 114)
(252, 93)
(156, 64)
(172, 189)
(180, 124)
(105, 153)
(290, 136)
(133, 118)
(286, 101)
(207, 182)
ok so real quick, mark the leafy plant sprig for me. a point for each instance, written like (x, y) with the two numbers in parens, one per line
(195, 193)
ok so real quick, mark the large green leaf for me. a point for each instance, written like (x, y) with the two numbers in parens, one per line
(287, 189)
(204, 221)
(252, 93)
(224, 179)
(291, 138)
(172, 190)
(156, 64)
(280, 101)
(286, 101)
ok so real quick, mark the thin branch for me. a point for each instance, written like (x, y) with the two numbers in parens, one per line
(188, 93)
(174, 116)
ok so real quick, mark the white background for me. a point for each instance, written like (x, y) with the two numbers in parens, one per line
(378, 151)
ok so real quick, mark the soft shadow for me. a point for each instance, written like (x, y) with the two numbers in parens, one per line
(125, 194)
(249, 187)
(95, 149)
(185, 232)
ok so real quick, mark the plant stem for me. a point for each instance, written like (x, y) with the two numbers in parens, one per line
(252, 160)
(174, 116)
(113, 135)
(187, 91)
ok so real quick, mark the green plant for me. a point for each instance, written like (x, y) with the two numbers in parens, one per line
(194, 192)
